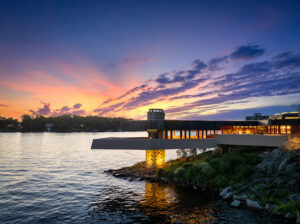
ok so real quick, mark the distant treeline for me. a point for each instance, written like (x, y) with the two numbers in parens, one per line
(64, 123)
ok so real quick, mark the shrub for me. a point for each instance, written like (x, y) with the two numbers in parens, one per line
(219, 181)
(179, 171)
(214, 170)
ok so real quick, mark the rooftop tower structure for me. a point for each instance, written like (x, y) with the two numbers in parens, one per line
(155, 114)
(155, 117)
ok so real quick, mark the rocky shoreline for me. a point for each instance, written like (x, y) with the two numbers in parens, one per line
(273, 187)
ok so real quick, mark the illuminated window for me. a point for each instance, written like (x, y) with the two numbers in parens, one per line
(288, 129)
(169, 134)
(210, 132)
(182, 134)
(176, 134)
(193, 134)
(187, 134)
(283, 129)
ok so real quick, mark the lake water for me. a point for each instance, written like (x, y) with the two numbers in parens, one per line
(57, 178)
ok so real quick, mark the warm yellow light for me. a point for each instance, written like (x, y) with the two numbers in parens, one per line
(155, 158)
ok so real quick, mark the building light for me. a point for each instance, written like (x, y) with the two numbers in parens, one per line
(155, 158)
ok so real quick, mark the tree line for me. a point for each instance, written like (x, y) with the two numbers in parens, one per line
(64, 123)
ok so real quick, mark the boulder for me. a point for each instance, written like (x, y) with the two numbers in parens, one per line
(290, 168)
(270, 207)
(225, 191)
(240, 197)
(271, 161)
(228, 195)
(290, 215)
(283, 164)
(294, 197)
(235, 203)
(253, 204)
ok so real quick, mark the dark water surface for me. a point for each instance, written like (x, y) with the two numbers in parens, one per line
(56, 178)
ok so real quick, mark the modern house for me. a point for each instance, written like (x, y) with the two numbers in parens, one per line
(184, 134)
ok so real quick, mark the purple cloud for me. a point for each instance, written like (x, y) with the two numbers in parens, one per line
(214, 63)
(65, 109)
(247, 52)
(45, 110)
(104, 110)
(77, 106)
(287, 60)
(144, 97)
(198, 65)
(79, 112)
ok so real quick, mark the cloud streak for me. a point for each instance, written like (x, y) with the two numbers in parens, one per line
(207, 86)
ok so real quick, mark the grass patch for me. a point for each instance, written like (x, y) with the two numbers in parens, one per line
(291, 206)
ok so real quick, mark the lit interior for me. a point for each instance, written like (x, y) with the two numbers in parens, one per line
(155, 158)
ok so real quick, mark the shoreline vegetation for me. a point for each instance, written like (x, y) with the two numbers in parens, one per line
(63, 123)
(256, 178)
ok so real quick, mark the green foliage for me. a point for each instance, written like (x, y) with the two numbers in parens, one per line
(270, 196)
(8, 123)
(291, 206)
(215, 171)
(68, 123)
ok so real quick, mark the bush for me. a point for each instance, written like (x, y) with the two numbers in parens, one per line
(219, 181)
(179, 171)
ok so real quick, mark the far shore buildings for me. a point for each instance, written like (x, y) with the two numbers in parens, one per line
(256, 130)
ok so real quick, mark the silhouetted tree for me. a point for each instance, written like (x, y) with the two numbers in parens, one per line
(7, 123)
(70, 123)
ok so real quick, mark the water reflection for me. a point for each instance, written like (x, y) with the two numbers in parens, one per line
(163, 200)
(157, 196)
(158, 203)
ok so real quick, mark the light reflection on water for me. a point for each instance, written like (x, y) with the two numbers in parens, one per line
(56, 178)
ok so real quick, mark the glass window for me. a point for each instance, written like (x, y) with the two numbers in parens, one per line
(187, 133)
(169, 134)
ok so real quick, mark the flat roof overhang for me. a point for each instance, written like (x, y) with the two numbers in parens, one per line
(153, 144)
(182, 125)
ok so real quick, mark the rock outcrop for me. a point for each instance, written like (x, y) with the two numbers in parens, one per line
(274, 184)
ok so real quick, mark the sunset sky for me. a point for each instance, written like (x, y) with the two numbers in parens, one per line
(194, 59)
